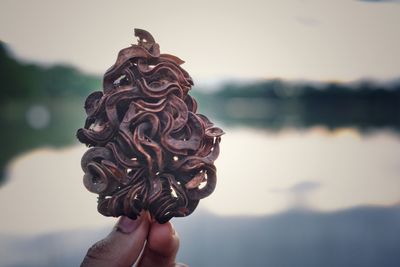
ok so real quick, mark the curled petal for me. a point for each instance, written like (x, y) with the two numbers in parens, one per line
(150, 149)
(211, 182)
(93, 102)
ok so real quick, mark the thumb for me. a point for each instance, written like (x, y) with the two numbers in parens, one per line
(161, 247)
(122, 246)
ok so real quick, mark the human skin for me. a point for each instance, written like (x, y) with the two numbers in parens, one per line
(142, 241)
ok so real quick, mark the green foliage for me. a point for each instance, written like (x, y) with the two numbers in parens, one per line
(58, 89)
(276, 104)
(24, 81)
(271, 104)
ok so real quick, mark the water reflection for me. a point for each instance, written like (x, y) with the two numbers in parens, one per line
(357, 237)
(278, 104)
(259, 173)
(317, 184)
(262, 172)
(31, 124)
(38, 117)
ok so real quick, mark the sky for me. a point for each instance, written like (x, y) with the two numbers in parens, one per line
(291, 39)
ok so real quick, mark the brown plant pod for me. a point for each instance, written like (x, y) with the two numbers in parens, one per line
(149, 149)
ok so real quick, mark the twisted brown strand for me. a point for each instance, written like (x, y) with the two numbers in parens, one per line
(149, 148)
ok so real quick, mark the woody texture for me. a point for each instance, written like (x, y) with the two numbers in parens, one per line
(149, 149)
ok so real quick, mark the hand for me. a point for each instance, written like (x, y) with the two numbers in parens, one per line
(156, 245)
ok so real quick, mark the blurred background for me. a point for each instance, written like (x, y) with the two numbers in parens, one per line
(308, 92)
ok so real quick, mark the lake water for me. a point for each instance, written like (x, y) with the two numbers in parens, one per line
(259, 173)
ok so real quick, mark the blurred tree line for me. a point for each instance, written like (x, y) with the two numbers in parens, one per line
(276, 104)
(39, 106)
(22, 81)
(269, 104)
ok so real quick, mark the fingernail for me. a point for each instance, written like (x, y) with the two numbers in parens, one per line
(126, 225)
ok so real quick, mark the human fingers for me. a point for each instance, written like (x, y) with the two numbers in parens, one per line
(161, 247)
(122, 246)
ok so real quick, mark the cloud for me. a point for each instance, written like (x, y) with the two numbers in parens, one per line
(304, 187)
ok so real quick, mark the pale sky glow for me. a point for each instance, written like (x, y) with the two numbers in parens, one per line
(293, 39)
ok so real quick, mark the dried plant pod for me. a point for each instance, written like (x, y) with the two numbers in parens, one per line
(148, 148)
